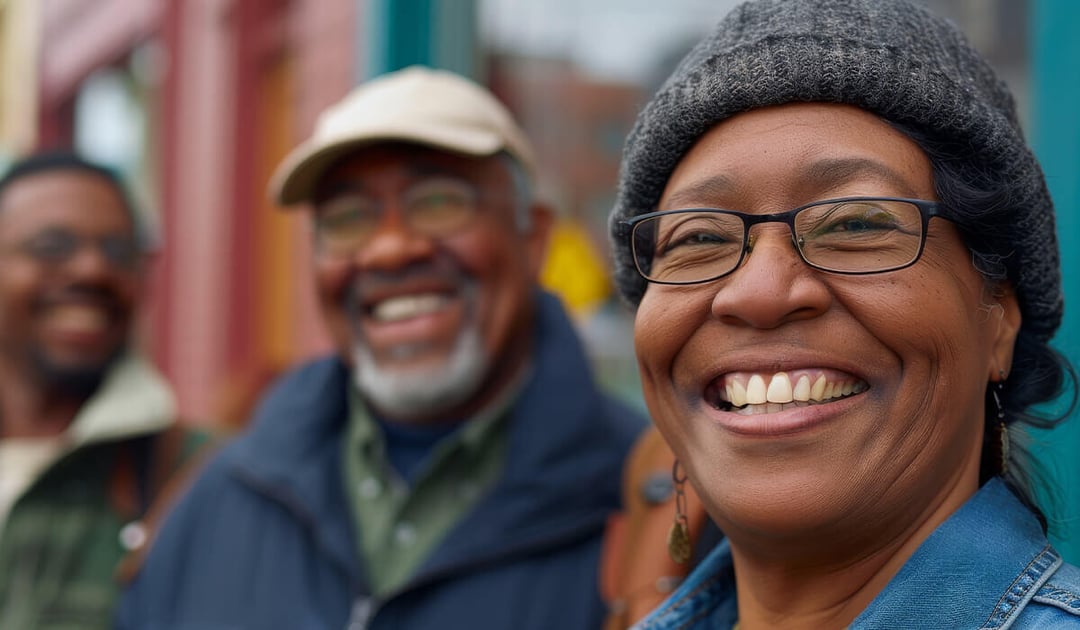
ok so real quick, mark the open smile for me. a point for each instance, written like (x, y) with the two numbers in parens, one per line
(409, 316)
(411, 320)
(747, 393)
(80, 315)
(403, 307)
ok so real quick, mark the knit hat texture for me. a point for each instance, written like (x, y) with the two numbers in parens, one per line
(893, 58)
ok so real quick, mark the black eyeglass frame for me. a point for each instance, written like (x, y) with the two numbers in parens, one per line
(927, 210)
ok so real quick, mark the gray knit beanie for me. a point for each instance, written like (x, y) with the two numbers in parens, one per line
(890, 57)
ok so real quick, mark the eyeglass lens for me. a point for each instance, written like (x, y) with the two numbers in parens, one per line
(862, 236)
(58, 245)
(435, 207)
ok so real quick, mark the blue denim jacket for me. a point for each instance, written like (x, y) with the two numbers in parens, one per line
(988, 566)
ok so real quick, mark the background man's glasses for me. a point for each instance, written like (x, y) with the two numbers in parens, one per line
(435, 207)
(852, 235)
(56, 246)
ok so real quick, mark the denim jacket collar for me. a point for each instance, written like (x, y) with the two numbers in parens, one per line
(979, 569)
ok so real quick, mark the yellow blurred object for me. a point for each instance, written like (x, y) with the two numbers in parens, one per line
(573, 270)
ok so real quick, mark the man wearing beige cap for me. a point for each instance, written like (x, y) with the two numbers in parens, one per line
(454, 464)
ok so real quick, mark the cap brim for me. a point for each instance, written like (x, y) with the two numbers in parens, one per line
(296, 178)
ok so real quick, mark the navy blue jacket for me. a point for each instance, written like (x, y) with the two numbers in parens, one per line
(264, 539)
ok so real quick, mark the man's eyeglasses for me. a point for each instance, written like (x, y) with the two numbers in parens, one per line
(435, 207)
(55, 246)
(852, 235)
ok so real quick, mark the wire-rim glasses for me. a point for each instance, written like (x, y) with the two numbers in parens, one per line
(848, 235)
(57, 245)
(436, 206)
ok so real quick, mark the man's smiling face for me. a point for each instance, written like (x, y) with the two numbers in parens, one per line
(425, 276)
(71, 276)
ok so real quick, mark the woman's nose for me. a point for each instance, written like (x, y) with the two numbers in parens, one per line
(772, 286)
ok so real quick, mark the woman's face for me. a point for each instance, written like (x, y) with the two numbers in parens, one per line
(914, 348)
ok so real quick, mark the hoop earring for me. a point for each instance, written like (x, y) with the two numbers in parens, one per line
(997, 391)
(678, 540)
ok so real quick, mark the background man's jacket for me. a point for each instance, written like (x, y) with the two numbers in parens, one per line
(264, 539)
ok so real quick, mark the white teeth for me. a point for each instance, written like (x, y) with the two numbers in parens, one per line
(779, 389)
(737, 395)
(758, 397)
(802, 389)
(756, 393)
(753, 410)
(406, 306)
(78, 317)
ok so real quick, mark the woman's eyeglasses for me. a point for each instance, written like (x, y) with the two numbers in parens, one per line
(852, 235)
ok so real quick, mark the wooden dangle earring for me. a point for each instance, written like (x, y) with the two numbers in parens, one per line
(997, 391)
(678, 540)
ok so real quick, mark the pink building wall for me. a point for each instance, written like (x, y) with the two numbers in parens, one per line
(243, 82)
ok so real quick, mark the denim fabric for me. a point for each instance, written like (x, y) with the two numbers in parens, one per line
(988, 566)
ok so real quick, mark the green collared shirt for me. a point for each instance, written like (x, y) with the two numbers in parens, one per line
(398, 525)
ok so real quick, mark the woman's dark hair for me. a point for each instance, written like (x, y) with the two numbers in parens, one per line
(982, 209)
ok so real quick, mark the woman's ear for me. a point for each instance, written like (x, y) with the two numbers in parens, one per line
(1006, 310)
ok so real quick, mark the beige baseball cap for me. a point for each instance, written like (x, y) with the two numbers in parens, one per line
(434, 108)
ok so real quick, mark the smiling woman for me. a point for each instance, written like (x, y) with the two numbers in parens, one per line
(909, 346)
(842, 317)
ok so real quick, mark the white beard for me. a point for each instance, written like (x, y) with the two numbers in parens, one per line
(413, 392)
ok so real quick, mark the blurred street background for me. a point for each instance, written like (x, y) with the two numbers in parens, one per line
(196, 101)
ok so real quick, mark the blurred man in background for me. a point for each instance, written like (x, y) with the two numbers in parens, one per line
(454, 464)
(87, 437)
